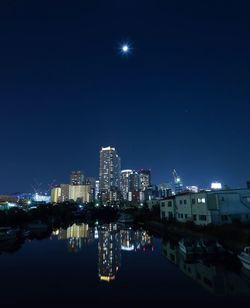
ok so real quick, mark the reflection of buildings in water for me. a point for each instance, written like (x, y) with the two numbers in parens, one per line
(127, 240)
(214, 278)
(143, 241)
(109, 250)
(96, 234)
(170, 251)
(136, 240)
(77, 235)
(61, 234)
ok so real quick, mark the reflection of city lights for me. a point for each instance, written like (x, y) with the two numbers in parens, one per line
(107, 279)
(128, 248)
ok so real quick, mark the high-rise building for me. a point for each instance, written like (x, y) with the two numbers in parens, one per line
(134, 182)
(134, 187)
(56, 194)
(178, 185)
(76, 178)
(97, 190)
(110, 169)
(125, 183)
(145, 178)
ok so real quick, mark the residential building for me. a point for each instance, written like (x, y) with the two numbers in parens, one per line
(64, 192)
(145, 178)
(134, 187)
(56, 194)
(80, 193)
(76, 178)
(125, 183)
(110, 169)
(206, 207)
(97, 190)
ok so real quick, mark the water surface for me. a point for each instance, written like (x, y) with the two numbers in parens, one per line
(111, 265)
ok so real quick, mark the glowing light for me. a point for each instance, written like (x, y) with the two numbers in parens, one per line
(125, 48)
(107, 278)
(216, 185)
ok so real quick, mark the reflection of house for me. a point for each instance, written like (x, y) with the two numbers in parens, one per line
(170, 251)
(205, 207)
(109, 250)
(213, 278)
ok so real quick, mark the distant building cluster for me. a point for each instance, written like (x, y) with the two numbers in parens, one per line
(125, 187)
(113, 186)
(80, 189)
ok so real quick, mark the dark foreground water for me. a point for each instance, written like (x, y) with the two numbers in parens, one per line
(111, 265)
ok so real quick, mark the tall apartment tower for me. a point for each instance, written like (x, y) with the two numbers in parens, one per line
(110, 169)
(145, 178)
(76, 178)
(125, 183)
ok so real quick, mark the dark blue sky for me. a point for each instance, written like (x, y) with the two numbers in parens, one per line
(181, 100)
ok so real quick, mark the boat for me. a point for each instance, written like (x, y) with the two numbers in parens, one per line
(244, 257)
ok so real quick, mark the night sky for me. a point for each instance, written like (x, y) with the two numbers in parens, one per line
(180, 100)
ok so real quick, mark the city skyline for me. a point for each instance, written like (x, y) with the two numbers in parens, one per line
(178, 100)
(124, 153)
(81, 177)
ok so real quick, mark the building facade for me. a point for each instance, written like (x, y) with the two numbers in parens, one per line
(208, 207)
(125, 185)
(80, 193)
(76, 178)
(56, 194)
(145, 178)
(110, 169)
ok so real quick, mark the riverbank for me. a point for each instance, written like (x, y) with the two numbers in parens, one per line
(232, 237)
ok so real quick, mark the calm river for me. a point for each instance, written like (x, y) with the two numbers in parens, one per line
(112, 265)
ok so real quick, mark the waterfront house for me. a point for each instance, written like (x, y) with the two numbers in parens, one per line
(206, 207)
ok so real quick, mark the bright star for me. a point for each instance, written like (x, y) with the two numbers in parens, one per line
(125, 49)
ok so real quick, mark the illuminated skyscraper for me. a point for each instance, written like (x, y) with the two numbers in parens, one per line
(77, 178)
(134, 187)
(134, 181)
(145, 178)
(97, 190)
(125, 183)
(178, 185)
(110, 169)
